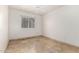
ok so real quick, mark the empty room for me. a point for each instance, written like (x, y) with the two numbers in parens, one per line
(39, 28)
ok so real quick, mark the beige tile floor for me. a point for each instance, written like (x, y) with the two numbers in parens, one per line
(39, 45)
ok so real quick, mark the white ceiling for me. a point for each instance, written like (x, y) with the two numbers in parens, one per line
(38, 9)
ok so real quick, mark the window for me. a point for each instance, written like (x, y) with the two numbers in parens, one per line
(28, 22)
(31, 23)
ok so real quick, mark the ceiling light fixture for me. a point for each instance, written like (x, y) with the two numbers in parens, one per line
(37, 6)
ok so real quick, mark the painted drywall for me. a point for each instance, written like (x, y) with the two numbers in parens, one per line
(15, 30)
(3, 28)
(63, 25)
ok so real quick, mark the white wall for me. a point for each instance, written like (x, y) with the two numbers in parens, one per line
(15, 30)
(3, 28)
(63, 24)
